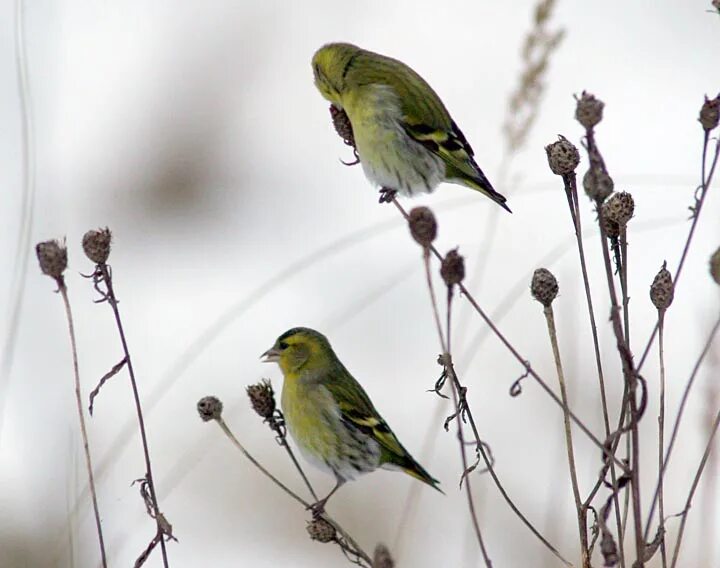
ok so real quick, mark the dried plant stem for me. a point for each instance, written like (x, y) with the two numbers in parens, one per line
(458, 396)
(520, 359)
(579, 508)
(350, 546)
(630, 377)
(695, 483)
(696, 209)
(106, 276)
(678, 418)
(83, 431)
(570, 183)
(661, 436)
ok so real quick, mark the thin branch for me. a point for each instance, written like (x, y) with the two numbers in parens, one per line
(103, 275)
(83, 430)
(661, 438)
(347, 543)
(519, 358)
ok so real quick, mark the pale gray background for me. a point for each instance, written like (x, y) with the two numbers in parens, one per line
(194, 131)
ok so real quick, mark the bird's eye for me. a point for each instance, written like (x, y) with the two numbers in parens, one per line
(282, 345)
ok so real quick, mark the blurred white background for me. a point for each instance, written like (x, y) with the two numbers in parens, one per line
(193, 130)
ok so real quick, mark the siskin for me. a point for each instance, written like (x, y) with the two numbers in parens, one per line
(331, 417)
(405, 138)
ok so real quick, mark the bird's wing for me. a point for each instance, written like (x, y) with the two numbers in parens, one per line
(449, 144)
(357, 410)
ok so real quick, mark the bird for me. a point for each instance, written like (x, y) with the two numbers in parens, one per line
(331, 417)
(404, 136)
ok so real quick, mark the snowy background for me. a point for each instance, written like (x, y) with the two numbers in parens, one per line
(193, 130)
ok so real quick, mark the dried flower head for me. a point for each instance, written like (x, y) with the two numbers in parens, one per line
(612, 229)
(96, 245)
(209, 408)
(322, 531)
(262, 398)
(544, 286)
(563, 156)
(589, 110)
(452, 268)
(342, 125)
(608, 548)
(715, 266)
(598, 184)
(382, 558)
(52, 256)
(423, 226)
(710, 113)
(619, 208)
(661, 290)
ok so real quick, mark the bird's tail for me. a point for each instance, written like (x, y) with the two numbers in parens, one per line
(407, 464)
(480, 183)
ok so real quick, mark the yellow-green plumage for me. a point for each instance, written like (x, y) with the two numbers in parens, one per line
(404, 135)
(329, 414)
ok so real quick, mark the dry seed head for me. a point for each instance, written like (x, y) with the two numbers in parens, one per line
(620, 208)
(96, 245)
(589, 110)
(710, 112)
(262, 398)
(563, 156)
(715, 266)
(598, 184)
(322, 531)
(342, 125)
(612, 229)
(209, 408)
(452, 268)
(52, 256)
(608, 549)
(661, 290)
(544, 286)
(382, 558)
(423, 226)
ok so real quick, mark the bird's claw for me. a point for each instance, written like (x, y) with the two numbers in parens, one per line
(387, 195)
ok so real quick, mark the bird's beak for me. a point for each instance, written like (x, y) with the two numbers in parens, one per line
(272, 355)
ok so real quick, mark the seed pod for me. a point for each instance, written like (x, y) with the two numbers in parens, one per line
(262, 398)
(342, 125)
(452, 268)
(710, 113)
(52, 256)
(544, 286)
(661, 290)
(598, 184)
(322, 531)
(715, 266)
(382, 558)
(620, 208)
(209, 408)
(96, 245)
(563, 156)
(589, 110)
(423, 226)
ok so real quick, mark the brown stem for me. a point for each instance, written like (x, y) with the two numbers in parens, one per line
(353, 547)
(630, 377)
(570, 182)
(678, 418)
(519, 358)
(579, 508)
(661, 437)
(83, 430)
(112, 300)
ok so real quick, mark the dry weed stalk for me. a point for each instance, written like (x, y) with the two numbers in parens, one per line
(52, 256)
(322, 527)
(96, 244)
